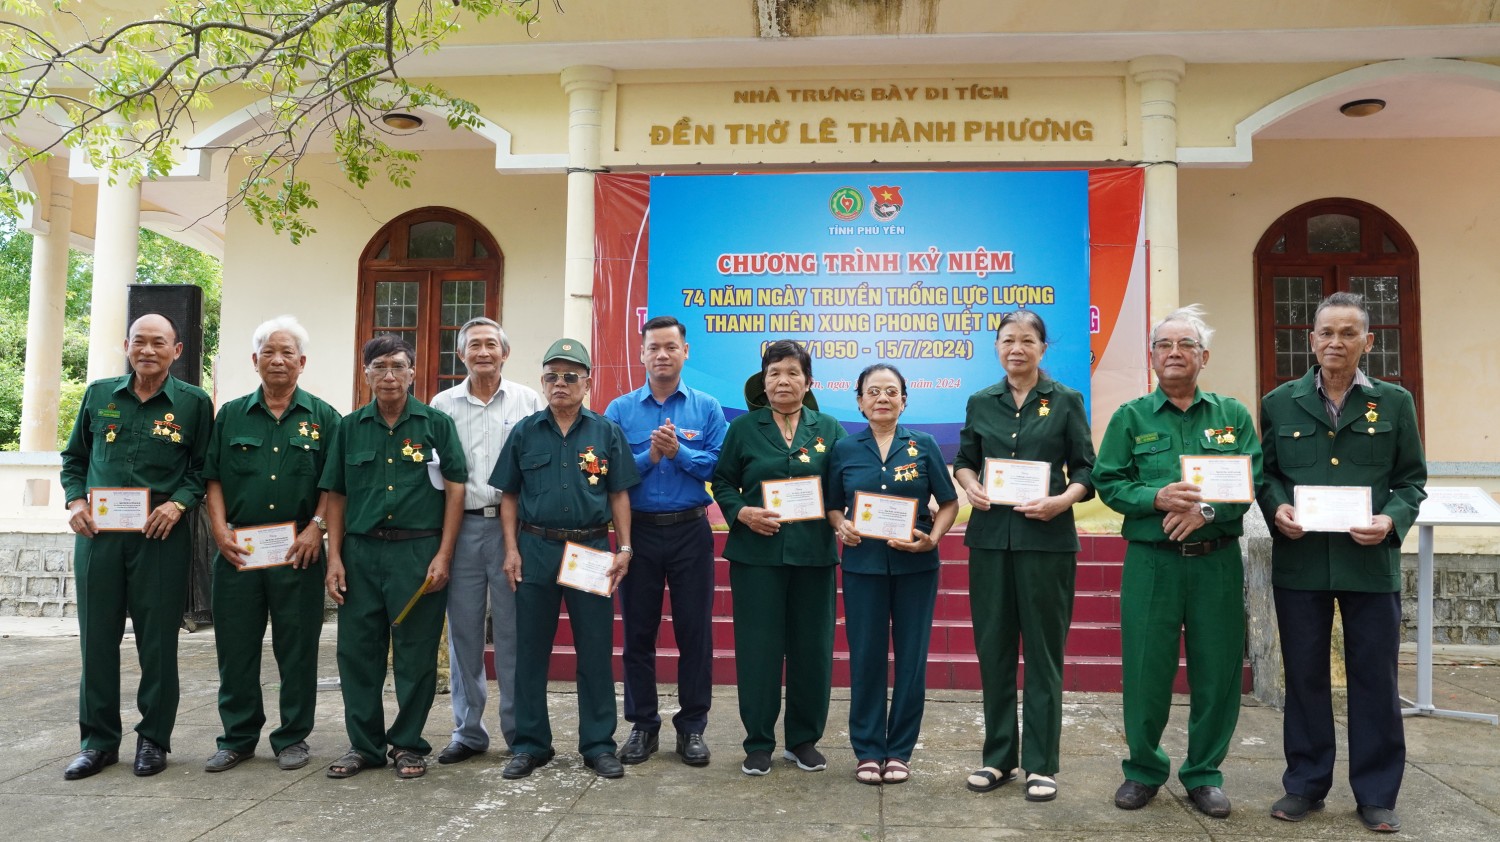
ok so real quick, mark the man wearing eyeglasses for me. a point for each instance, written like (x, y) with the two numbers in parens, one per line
(396, 475)
(564, 475)
(1184, 574)
(485, 408)
(1338, 426)
(675, 433)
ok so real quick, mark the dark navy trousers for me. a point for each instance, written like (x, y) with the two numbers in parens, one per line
(680, 559)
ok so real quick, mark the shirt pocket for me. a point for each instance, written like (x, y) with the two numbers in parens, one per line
(359, 470)
(246, 456)
(536, 474)
(1296, 445)
(1155, 460)
(1374, 443)
(304, 455)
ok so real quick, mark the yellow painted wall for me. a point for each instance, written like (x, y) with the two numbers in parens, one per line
(317, 281)
(1440, 191)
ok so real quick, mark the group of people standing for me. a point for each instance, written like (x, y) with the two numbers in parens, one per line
(465, 508)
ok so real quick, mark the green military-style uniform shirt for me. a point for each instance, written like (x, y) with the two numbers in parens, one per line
(383, 470)
(754, 452)
(1052, 427)
(566, 480)
(268, 467)
(121, 441)
(1376, 443)
(1140, 455)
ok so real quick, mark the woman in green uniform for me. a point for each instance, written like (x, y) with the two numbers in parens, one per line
(781, 569)
(1022, 558)
(890, 586)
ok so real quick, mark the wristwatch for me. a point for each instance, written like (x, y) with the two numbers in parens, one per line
(179, 505)
(1207, 511)
(322, 524)
(626, 548)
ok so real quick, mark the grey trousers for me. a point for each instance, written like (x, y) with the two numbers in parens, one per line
(474, 578)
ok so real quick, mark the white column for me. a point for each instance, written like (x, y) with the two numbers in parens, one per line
(585, 86)
(1157, 77)
(117, 232)
(44, 323)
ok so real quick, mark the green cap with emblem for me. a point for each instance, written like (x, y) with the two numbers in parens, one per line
(570, 350)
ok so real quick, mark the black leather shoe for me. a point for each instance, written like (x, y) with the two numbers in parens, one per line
(224, 760)
(524, 764)
(692, 749)
(605, 765)
(457, 752)
(1210, 801)
(90, 762)
(640, 746)
(150, 758)
(1133, 795)
(1294, 808)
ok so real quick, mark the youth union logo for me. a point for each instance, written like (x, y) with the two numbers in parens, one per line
(846, 203)
(887, 203)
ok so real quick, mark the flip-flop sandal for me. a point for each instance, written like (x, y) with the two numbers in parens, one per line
(987, 779)
(409, 764)
(351, 764)
(896, 771)
(868, 772)
(1040, 788)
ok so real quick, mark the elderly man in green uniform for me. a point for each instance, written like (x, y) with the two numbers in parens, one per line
(564, 475)
(396, 472)
(1184, 575)
(264, 461)
(147, 430)
(1338, 426)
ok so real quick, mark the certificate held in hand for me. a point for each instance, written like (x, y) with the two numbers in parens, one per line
(1011, 482)
(1222, 479)
(585, 569)
(120, 509)
(794, 499)
(266, 546)
(884, 516)
(1331, 508)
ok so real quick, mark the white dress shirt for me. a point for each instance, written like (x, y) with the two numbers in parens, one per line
(483, 428)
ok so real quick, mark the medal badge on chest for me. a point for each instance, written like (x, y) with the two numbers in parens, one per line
(802, 455)
(592, 466)
(1043, 410)
(911, 447)
(1372, 416)
(110, 435)
(820, 447)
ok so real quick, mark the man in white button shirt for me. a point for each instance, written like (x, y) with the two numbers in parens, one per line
(485, 408)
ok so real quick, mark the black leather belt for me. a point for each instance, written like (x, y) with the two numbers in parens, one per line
(383, 534)
(484, 511)
(566, 534)
(1196, 548)
(666, 518)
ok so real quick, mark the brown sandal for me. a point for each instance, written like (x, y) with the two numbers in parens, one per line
(351, 764)
(409, 764)
(896, 771)
(868, 772)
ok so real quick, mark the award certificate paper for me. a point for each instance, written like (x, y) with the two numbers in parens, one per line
(794, 499)
(266, 546)
(1331, 508)
(883, 516)
(585, 569)
(1010, 482)
(1223, 479)
(120, 509)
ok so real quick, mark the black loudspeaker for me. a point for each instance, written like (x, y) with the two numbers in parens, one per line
(183, 304)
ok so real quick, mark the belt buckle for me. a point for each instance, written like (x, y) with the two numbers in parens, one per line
(491, 511)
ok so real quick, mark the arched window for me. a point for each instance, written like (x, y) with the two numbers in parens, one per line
(420, 278)
(1328, 246)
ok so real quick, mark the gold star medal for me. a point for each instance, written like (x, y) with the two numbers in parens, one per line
(593, 480)
(1372, 416)
(110, 436)
(417, 456)
(819, 446)
(911, 447)
(1043, 410)
(176, 437)
(407, 451)
(803, 457)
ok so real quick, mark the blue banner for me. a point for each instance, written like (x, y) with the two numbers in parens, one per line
(910, 269)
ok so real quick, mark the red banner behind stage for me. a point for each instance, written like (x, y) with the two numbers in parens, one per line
(1117, 279)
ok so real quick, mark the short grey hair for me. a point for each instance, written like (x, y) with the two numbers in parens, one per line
(1345, 299)
(1192, 316)
(463, 334)
(281, 324)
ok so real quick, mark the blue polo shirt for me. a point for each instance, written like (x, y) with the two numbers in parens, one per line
(671, 485)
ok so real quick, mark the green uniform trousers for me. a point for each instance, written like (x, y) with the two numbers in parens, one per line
(1021, 601)
(116, 572)
(884, 612)
(242, 601)
(783, 617)
(592, 619)
(381, 576)
(1165, 598)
